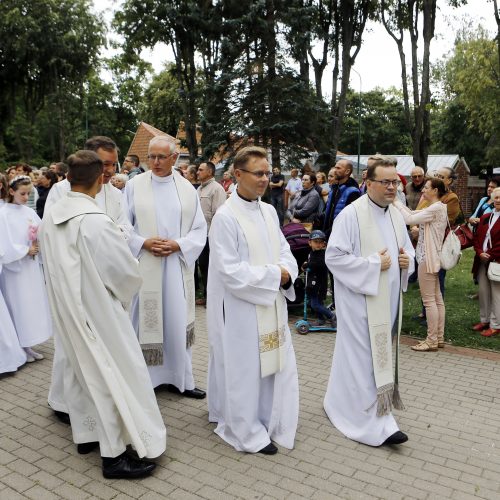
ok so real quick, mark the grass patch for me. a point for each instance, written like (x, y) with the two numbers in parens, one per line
(461, 312)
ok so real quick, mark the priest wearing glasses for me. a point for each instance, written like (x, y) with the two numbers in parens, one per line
(168, 236)
(253, 393)
(370, 255)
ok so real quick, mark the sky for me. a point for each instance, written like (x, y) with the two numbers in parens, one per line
(377, 64)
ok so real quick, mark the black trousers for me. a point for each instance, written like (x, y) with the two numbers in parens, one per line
(203, 265)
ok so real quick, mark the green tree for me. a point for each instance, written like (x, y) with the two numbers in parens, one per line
(184, 25)
(161, 104)
(452, 132)
(383, 124)
(472, 77)
(47, 47)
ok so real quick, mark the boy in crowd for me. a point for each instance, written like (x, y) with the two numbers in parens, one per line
(317, 278)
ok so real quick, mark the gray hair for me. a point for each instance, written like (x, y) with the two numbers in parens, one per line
(122, 177)
(162, 140)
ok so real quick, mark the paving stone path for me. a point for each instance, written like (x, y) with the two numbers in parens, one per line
(452, 417)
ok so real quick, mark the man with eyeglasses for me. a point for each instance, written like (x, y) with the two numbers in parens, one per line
(370, 255)
(110, 200)
(169, 233)
(253, 393)
(132, 163)
(414, 188)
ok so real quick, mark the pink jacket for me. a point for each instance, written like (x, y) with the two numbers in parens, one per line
(434, 218)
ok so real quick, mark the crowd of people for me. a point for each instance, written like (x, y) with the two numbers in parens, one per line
(112, 257)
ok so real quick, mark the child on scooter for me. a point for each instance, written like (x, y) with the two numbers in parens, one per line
(317, 278)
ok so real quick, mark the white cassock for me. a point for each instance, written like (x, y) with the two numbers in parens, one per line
(107, 390)
(112, 202)
(249, 410)
(12, 356)
(21, 280)
(177, 366)
(351, 395)
(109, 198)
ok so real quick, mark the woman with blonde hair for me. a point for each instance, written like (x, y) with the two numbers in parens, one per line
(432, 221)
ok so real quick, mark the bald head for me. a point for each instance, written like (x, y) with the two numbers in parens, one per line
(417, 176)
(343, 170)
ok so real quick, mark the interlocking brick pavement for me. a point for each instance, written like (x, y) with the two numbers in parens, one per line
(452, 417)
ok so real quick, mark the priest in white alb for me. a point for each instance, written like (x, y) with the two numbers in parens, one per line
(370, 255)
(169, 232)
(106, 385)
(111, 201)
(253, 393)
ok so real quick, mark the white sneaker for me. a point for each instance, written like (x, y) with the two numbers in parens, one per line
(33, 354)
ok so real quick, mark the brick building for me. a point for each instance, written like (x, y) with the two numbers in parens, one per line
(140, 142)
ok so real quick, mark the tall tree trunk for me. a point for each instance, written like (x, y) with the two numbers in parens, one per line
(271, 76)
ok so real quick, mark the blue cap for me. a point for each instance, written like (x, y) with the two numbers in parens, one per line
(317, 235)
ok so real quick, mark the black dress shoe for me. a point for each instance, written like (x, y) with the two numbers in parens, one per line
(63, 417)
(126, 467)
(188, 393)
(270, 449)
(397, 438)
(85, 448)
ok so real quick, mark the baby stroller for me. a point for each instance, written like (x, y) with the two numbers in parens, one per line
(298, 239)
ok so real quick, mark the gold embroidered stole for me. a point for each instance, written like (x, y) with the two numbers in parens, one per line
(270, 322)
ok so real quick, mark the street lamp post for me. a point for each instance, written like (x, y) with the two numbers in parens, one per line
(359, 119)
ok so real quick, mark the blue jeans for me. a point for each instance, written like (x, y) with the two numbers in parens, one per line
(318, 307)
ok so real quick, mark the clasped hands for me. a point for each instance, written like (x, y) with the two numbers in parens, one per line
(385, 259)
(161, 247)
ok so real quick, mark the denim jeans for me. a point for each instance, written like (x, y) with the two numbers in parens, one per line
(318, 307)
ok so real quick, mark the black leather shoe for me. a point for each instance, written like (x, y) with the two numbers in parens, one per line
(84, 448)
(188, 393)
(270, 449)
(397, 438)
(126, 467)
(63, 417)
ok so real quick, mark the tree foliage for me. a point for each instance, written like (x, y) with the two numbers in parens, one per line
(472, 77)
(383, 123)
(46, 47)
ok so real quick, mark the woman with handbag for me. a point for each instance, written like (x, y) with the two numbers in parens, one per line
(432, 221)
(486, 269)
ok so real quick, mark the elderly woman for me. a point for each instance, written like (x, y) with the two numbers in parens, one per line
(432, 222)
(308, 203)
(485, 205)
(487, 248)
(120, 181)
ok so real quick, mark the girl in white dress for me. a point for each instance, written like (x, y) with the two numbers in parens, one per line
(21, 281)
(12, 356)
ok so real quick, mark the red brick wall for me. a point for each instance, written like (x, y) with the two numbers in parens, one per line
(140, 144)
(460, 187)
